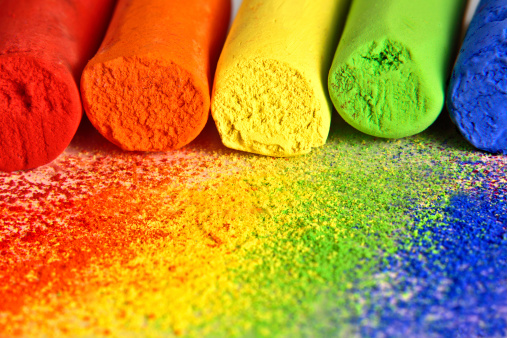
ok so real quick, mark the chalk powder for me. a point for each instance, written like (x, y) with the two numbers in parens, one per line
(208, 241)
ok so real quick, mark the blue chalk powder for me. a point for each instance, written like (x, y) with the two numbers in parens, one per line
(448, 281)
(477, 94)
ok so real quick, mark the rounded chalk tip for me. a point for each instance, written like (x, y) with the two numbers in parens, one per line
(477, 104)
(382, 92)
(268, 107)
(485, 130)
(40, 111)
(144, 103)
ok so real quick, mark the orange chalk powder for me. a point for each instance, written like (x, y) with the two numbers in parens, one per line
(148, 87)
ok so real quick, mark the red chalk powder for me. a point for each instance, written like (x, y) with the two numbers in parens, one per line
(74, 225)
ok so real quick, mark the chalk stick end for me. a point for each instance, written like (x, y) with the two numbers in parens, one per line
(477, 92)
(269, 108)
(142, 103)
(380, 91)
(477, 103)
(40, 111)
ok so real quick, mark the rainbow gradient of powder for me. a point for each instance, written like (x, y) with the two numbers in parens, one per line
(364, 237)
(212, 242)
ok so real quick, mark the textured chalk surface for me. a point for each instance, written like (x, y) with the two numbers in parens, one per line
(477, 94)
(40, 110)
(390, 68)
(269, 95)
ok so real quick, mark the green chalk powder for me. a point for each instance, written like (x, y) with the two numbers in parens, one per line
(325, 221)
(389, 71)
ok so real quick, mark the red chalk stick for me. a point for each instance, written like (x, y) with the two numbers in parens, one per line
(44, 45)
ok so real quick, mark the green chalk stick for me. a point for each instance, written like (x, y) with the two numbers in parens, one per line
(389, 72)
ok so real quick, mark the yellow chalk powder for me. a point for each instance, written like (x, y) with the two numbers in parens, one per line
(270, 94)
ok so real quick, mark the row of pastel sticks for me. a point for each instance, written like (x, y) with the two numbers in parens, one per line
(163, 64)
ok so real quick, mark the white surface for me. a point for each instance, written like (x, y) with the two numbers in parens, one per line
(235, 7)
(472, 5)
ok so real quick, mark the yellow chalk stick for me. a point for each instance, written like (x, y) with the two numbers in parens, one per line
(270, 95)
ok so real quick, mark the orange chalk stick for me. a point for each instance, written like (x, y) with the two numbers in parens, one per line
(148, 87)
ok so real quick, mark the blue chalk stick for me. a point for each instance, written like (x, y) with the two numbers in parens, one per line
(477, 94)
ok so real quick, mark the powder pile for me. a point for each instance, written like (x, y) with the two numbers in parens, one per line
(477, 94)
(269, 94)
(148, 88)
(390, 68)
(211, 242)
(44, 45)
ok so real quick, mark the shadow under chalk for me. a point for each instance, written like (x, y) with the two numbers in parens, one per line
(88, 139)
(442, 133)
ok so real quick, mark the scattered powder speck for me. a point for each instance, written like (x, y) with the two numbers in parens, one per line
(207, 241)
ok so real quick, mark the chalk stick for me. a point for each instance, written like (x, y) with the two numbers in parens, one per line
(477, 93)
(148, 87)
(44, 46)
(389, 72)
(269, 95)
